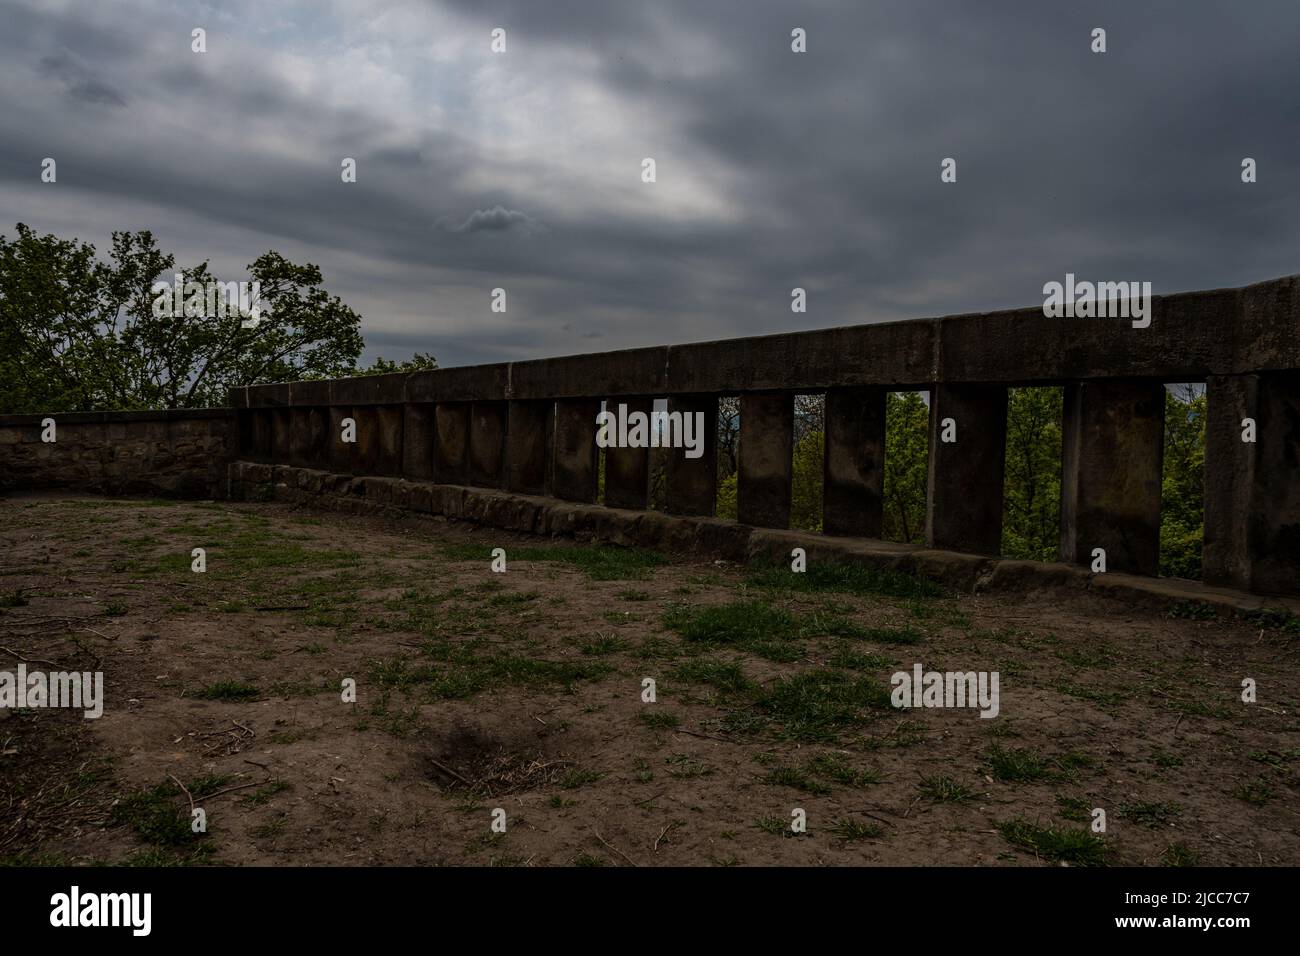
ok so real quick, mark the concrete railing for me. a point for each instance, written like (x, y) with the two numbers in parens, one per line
(530, 427)
(179, 453)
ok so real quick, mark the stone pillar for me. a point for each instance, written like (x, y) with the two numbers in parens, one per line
(964, 504)
(417, 442)
(1252, 489)
(282, 436)
(526, 442)
(340, 452)
(318, 437)
(263, 434)
(853, 483)
(487, 437)
(693, 482)
(388, 426)
(1112, 434)
(627, 470)
(247, 434)
(451, 443)
(366, 454)
(300, 437)
(766, 459)
(575, 461)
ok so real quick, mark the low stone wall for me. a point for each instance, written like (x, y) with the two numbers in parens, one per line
(182, 453)
(398, 498)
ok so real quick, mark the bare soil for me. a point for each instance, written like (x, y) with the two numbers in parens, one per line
(523, 691)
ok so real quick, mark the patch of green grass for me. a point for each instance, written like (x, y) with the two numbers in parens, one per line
(823, 576)
(1272, 618)
(1256, 792)
(461, 672)
(1016, 765)
(942, 789)
(726, 676)
(835, 767)
(1192, 611)
(796, 778)
(228, 690)
(843, 655)
(776, 827)
(1278, 759)
(848, 830)
(156, 814)
(115, 608)
(601, 645)
(818, 705)
(752, 625)
(659, 719)
(1074, 809)
(1162, 758)
(686, 767)
(264, 794)
(1179, 854)
(600, 562)
(634, 595)
(14, 598)
(1077, 847)
(575, 778)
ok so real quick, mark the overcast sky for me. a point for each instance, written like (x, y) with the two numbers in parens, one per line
(522, 170)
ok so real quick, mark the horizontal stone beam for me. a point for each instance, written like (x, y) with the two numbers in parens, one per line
(1191, 336)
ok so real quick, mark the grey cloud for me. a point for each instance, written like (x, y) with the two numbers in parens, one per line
(78, 82)
(1122, 165)
(496, 219)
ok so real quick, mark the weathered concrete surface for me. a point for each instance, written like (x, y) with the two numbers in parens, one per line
(263, 438)
(766, 459)
(365, 456)
(400, 499)
(964, 505)
(623, 373)
(528, 432)
(692, 483)
(340, 453)
(627, 470)
(451, 442)
(417, 440)
(574, 468)
(470, 383)
(388, 455)
(1111, 458)
(180, 454)
(487, 444)
(1252, 489)
(895, 353)
(853, 481)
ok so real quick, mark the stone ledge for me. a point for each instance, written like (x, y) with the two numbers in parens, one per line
(961, 573)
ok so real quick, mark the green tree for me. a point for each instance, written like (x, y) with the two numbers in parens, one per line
(806, 483)
(907, 456)
(1031, 517)
(81, 334)
(1182, 495)
(419, 362)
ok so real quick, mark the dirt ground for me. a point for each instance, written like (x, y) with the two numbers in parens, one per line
(523, 691)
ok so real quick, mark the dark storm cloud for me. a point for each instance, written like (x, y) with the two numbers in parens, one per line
(496, 219)
(78, 82)
(818, 170)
